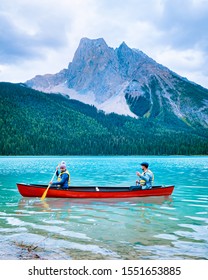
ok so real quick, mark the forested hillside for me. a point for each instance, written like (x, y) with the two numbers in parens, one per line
(35, 123)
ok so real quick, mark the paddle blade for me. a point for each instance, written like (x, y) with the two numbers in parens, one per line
(45, 193)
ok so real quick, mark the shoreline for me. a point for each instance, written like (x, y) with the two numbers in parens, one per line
(206, 155)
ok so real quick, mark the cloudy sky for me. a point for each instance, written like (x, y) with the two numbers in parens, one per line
(41, 36)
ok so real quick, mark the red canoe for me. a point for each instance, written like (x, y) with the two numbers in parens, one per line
(33, 190)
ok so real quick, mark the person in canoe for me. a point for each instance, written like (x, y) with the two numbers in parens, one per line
(63, 179)
(146, 178)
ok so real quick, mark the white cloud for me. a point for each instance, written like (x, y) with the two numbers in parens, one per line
(188, 59)
(187, 63)
(41, 36)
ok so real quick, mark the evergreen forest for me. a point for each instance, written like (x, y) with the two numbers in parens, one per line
(36, 123)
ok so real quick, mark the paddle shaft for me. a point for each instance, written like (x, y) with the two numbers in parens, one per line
(45, 192)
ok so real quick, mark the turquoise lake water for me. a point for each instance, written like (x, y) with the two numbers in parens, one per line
(174, 227)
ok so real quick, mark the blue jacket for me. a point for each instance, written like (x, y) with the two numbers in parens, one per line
(148, 177)
(63, 180)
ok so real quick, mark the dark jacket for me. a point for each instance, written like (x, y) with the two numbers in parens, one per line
(63, 179)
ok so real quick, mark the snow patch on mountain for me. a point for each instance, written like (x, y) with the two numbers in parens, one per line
(116, 104)
(88, 98)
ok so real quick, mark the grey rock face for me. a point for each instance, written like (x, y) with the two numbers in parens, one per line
(130, 79)
(48, 81)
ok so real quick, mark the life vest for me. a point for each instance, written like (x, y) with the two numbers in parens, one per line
(60, 175)
(143, 182)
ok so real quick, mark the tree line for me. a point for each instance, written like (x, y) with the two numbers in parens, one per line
(35, 123)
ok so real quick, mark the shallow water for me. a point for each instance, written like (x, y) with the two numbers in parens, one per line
(173, 227)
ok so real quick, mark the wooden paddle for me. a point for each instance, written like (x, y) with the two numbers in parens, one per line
(45, 192)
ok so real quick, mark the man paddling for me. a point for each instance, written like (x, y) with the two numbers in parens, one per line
(63, 177)
(146, 178)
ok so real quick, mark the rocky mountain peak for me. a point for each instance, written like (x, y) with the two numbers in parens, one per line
(92, 42)
(93, 68)
(127, 81)
(90, 49)
(124, 46)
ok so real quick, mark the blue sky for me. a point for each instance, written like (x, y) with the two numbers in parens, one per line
(41, 36)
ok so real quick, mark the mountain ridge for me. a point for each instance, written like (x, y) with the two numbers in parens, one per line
(126, 81)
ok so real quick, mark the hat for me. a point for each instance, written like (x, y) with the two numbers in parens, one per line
(146, 164)
(63, 165)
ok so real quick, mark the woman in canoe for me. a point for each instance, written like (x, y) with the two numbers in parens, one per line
(63, 179)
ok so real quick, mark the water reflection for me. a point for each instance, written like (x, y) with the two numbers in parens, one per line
(63, 203)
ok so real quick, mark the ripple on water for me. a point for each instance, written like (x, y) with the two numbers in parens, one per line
(60, 231)
(191, 249)
(173, 219)
(176, 250)
(196, 233)
(12, 230)
(194, 218)
(199, 205)
(166, 236)
(202, 213)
